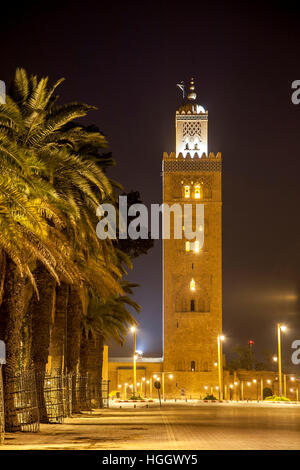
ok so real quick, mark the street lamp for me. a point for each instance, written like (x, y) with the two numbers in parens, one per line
(279, 329)
(133, 330)
(220, 366)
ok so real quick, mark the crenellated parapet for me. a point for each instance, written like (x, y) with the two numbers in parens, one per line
(210, 163)
(192, 155)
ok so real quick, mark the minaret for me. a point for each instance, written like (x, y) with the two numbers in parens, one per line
(192, 276)
(191, 126)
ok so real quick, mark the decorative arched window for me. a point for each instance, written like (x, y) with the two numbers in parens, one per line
(193, 366)
(196, 246)
(197, 191)
(192, 285)
(192, 305)
(187, 192)
(187, 246)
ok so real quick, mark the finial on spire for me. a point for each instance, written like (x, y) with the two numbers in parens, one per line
(192, 94)
(181, 85)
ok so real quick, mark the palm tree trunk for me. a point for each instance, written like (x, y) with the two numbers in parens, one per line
(74, 314)
(83, 370)
(11, 314)
(100, 348)
(58, 333)
(2, 272)
(41, 311)
(94, 367)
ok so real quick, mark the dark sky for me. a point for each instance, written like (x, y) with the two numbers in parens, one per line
(126, 58)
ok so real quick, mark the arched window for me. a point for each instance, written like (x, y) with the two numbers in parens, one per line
(197, 191)
(192, 285)
(193, 366)
(192, 305)
(187, 191)
(187, 246)
(196, 246)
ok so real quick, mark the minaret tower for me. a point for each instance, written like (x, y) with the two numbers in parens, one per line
(192, 276)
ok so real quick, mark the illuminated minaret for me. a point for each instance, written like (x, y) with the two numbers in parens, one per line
(192, 277)
(191, 127)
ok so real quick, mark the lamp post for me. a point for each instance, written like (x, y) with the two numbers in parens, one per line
(279, 329)
(284, 385)
(220, 366)
(133, 330)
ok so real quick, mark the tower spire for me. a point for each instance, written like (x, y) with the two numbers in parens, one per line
(192, 95)
(181, 85)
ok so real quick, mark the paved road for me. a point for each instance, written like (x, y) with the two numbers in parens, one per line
(173, 427)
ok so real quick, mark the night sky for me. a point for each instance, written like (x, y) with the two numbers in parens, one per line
(126, 59)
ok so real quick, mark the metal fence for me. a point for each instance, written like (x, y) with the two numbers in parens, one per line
(102, 389)
(21, 412)
(67, 391)
(63, 394)
(55, 397)
(1, 409)
(100, 394)
(90, 394)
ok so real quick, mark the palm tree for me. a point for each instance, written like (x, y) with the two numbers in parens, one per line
(105, 320)
(24, 216)
(30, 121)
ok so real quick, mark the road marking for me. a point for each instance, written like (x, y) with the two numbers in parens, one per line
(170, 433)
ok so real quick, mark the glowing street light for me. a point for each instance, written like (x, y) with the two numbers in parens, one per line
(279, 329)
